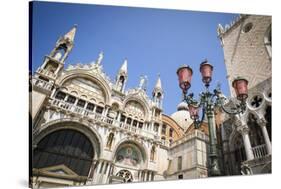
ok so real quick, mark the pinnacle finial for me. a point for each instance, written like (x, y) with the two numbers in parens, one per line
(71, 34)
(99, 60)
(220, 29)
(158, 84)
(124, 66)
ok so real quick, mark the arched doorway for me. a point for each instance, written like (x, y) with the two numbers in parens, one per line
(67, 147)
(130, 159)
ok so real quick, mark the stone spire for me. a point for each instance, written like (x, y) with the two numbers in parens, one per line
(122, 77)
(158, 85)
(71, 34)
(124, 69)
(157, 93)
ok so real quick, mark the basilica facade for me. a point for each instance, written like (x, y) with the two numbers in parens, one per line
(90, 129)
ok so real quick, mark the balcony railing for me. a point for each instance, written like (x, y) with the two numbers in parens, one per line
(99, 117)
(41, 83)
(259, 151)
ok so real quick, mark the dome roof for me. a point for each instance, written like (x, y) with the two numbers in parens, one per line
(182, 116)
(182, 106)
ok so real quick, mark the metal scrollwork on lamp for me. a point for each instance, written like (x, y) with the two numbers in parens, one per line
(208, 101)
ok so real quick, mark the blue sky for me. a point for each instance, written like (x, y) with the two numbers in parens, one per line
(153, 40)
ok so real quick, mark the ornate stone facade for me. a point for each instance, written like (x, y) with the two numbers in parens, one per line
(89, 129)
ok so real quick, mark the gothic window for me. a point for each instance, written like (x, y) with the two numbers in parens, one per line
(129, 121)
(51, 67)
(71, 99)
(122, 118)
(59, 53)
(99, 110)
(65, 147)
(140, 125)
(120, 83)
(60, 95)
(152, 153)
(163, 131)
(171, 132)
(81, 103)
(110, 140)
(126, 175)
(90, 106)
(156, 127)
(179, 163)
(256, 101)
(135, 123)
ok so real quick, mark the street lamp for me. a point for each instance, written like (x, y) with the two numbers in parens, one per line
(208, 101)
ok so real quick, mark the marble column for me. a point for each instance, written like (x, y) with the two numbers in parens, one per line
(148, 175)
(107, 174)
(244, 131)
(262, 124)
(119, 116)
(106, 108)
(96, 173)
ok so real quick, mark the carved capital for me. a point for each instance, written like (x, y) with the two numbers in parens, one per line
(243, 129)
(262, 122)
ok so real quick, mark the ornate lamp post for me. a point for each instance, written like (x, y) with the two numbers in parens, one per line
(208, 101)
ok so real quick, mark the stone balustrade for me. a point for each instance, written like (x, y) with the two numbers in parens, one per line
(96, 117)
(259, 151)
(41, 84)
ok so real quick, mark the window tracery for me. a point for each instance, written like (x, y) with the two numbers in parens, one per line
(126, 175)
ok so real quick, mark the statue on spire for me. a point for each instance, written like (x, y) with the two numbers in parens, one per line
(143, 82)
(99, 58)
